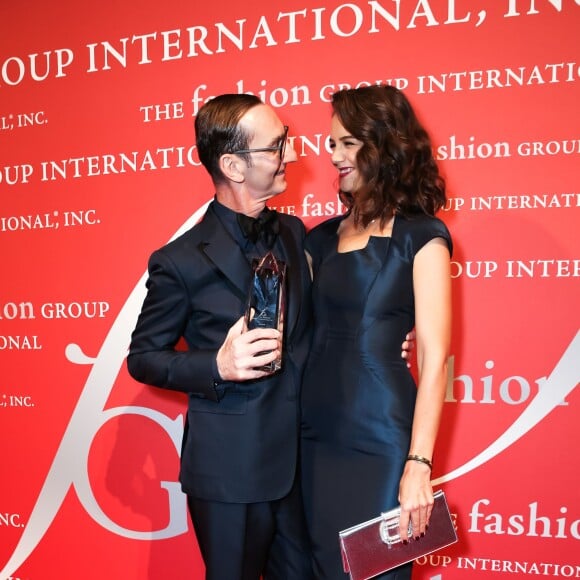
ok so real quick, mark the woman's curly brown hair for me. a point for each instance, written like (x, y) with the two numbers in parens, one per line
(396, 162)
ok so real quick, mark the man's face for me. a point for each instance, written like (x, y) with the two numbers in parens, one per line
(265, 175)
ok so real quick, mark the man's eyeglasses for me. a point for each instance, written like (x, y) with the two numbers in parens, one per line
(281, 147)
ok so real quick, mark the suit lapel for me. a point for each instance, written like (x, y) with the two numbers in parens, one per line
(293, 277)
(228, 258)
(225, 254)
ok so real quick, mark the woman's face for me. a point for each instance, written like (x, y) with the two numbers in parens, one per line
(344, 149)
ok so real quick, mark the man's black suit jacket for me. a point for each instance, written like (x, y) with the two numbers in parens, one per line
(240, 441)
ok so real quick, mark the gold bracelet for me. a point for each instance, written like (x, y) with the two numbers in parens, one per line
(420, 459)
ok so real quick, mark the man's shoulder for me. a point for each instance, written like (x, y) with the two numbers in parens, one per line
(184, 240)
(286, 217)
(291, 221)
(185, 243)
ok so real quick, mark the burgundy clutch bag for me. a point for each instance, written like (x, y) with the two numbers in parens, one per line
(375, 546)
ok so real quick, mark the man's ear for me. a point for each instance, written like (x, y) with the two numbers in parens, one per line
(233, 167)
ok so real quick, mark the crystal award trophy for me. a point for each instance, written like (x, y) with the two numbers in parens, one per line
(266, 300)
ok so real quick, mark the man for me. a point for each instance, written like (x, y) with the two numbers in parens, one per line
(240, 446)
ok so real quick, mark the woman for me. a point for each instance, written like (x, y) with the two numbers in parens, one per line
(379, 270)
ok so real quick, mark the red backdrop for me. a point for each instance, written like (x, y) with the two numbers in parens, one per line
(98, 168)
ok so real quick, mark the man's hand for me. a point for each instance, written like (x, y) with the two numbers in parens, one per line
(407, 347)
(238, 358)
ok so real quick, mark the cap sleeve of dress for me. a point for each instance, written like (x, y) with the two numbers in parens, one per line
(422, 229)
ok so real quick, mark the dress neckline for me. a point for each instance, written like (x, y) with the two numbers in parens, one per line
(372, 236)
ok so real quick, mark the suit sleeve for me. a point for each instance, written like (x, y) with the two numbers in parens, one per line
(153, 357)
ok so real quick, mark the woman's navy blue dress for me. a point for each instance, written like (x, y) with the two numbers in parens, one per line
(358, 396)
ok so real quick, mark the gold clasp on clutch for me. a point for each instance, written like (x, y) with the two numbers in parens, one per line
(389, 530)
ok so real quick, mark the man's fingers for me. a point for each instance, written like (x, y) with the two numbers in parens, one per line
(244, 351)
(261, 346)
(261, 333)
(237, 328)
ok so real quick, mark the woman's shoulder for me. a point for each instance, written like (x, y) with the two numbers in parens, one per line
(323, 234)
(422, 228)
(419, 222)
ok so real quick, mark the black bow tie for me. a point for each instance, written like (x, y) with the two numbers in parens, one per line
(265, 227)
